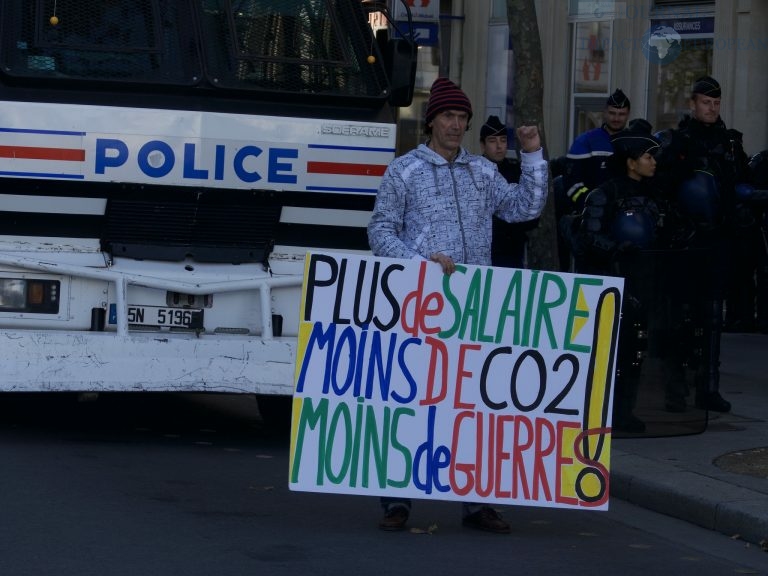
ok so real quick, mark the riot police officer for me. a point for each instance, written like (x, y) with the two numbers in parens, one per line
(620, 217)
(758, 200)
(700, 165)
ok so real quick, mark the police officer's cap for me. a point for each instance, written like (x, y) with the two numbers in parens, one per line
(707, 86)
(640, 125)
(492, 127)
(635, 141)
(618, 99)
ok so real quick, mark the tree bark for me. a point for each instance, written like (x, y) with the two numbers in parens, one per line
(528, 108)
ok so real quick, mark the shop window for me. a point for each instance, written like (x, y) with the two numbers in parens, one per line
(670, 85)
(595, 9)
(433, 61)
(587, 114)
(499, 11)
(680, 2)
(590, 80)
(591, 53)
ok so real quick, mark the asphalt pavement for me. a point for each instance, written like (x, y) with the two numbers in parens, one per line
(718, 478)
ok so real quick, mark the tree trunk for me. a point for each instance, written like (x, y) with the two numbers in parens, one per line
(528, 107)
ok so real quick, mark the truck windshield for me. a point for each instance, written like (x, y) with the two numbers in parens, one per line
(286, 46)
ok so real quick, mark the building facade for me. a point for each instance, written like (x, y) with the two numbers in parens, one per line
(652, 49)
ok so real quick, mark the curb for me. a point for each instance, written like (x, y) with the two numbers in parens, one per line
(707, 502)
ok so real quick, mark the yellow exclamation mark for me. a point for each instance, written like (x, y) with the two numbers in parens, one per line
(592, 481)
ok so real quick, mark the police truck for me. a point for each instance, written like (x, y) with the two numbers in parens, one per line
(165, 165)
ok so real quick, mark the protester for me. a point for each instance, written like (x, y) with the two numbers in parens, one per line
(436, 202)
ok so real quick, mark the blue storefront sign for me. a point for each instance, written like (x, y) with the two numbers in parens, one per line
(687, 27)
(425, 33)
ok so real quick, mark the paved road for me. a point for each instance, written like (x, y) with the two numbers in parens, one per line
(177, 484)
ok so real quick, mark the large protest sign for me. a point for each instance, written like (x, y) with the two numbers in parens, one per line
(488, 384)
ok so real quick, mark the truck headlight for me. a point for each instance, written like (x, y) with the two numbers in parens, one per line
(29, 295)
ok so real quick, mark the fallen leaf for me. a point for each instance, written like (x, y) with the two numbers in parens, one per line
(429, 531)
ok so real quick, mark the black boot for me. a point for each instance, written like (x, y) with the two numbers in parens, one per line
(623, 404)
(713, 401)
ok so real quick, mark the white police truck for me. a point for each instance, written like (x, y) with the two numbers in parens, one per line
(165, 165)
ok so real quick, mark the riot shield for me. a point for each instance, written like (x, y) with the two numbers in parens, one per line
(666, 342)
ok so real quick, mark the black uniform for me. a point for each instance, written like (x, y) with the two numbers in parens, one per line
(700, 166)
(759, 201)
(510, 238)
(620, 218)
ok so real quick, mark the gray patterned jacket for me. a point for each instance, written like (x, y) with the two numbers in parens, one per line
(426, 204)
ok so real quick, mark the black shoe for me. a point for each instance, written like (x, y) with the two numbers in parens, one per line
(394, 519)
(713, 401)
(486, 519)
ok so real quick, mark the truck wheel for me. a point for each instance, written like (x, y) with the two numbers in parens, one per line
(275, 412)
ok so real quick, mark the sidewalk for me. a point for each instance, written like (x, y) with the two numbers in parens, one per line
(717, 479)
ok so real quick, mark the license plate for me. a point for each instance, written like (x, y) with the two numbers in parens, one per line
(161, 316)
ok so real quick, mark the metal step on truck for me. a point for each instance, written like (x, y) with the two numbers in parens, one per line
(165, 165)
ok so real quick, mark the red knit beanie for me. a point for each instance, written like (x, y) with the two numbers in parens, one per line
(445, 95)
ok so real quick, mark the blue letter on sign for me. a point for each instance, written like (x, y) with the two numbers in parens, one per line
(275, 166)
(168, 156)
(103, 160)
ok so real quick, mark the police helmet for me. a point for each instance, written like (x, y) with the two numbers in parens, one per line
(698, 198)
(664, 137)
(635, 227)
(744, 191)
